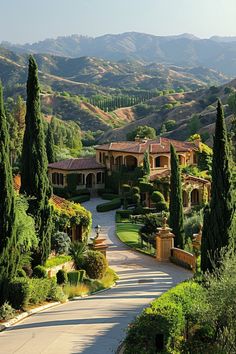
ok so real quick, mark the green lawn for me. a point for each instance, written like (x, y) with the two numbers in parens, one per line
(129, 234)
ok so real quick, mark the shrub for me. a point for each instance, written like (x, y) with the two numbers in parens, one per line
(40, 272)
(123, 214)
(39, 290)
(192, 224)
(60, 243)
(156, 329)
(6, 312)
(21, 273)
(19, 293)
(176, 312)
(28, 270)
(95, 264)
(76, 277)
(81, 198)
(112, 205)
(61, 277)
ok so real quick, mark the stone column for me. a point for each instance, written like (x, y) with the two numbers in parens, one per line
(164, 242)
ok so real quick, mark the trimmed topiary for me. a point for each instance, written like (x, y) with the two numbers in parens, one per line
(61, 277)
(112, 205)
(95, 264)
(40, 272)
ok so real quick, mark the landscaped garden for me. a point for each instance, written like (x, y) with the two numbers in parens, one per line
(44, 252)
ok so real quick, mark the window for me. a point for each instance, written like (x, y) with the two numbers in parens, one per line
(100, 178)
(58, 179)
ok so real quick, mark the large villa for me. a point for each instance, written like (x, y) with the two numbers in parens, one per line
(114, 156)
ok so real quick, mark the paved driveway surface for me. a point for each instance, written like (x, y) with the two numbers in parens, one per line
(96, 324)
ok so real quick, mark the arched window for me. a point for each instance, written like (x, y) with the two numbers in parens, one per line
(195, 197)
(58, 179)
(162, 161)
(131, 162)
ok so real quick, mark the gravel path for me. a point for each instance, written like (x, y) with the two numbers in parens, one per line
(96, 324)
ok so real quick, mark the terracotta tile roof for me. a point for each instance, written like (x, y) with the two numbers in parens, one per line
(77, 164)
(160, 174)
(60, 202)
(166, 173)
(159, 145)
(195, 178)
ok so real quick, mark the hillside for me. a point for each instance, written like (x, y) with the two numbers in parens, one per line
(217, 53)
(90, 76)
(179, 107)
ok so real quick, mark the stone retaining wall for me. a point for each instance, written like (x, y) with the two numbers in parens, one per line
(66, 266)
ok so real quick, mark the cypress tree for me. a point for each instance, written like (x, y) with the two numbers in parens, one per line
(146, 164)
(34, 178)
(219, 225)
(8, 263)
(176, 201)
(50, 145)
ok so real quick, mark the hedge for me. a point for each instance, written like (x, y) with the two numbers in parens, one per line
(23, 292)
(112, 205)
(162, 326)
(81, 198)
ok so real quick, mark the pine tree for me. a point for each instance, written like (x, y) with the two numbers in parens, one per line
(146, 164)
(8, 249)
(34, 178)
(219, 223)
(50, 145)
(176, 201)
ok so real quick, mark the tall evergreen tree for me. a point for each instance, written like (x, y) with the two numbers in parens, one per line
(176, 200)
(219, 223)
(146, 164)
(34, 178)
(7, 207)
(50, 145)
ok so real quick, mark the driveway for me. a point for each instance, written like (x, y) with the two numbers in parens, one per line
(96, 324)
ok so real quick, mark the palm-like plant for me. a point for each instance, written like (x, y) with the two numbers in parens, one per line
(78, 251)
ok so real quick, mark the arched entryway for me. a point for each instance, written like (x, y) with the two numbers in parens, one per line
(161, 161)
(181, 160)
(195, 198)
(131, 162)
(90, 180)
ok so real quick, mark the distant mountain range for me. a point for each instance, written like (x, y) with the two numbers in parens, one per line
(88, 75)
(218, 53)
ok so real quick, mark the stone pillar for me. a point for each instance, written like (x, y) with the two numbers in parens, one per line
(164, 242)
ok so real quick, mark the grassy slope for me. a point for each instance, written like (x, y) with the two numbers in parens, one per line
(129, 234)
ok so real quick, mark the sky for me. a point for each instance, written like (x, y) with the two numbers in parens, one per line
(33, 20)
